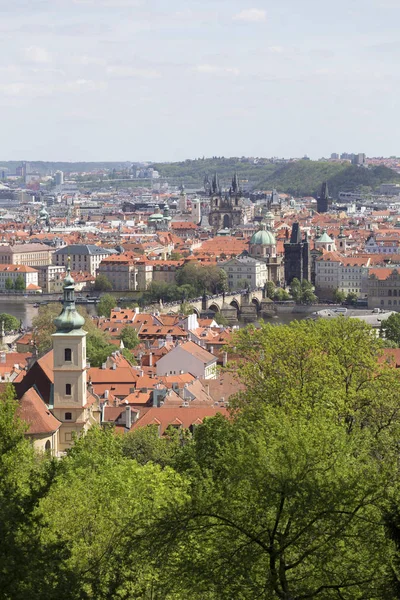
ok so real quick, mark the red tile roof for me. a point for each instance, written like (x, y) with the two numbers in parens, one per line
(34, 411)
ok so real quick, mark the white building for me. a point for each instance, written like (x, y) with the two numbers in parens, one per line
(84, 257)
(255, 272)
(382, 245)
(29, 275)
(188, 358)
(346, 274)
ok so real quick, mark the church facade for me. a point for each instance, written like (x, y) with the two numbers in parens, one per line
(227, 209)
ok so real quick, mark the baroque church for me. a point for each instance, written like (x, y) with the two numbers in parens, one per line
(54, 396)
(228, 209)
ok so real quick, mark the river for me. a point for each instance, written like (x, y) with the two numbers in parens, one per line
(26, 312)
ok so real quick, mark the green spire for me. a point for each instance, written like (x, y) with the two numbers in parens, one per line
(69, 318)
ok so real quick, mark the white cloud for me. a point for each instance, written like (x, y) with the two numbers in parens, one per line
(125, 71)
(216, 70)
(251, 15)
(276, 49)
(36, 54)
(76, 86)
(111, 3)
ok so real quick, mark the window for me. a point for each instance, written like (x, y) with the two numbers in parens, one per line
(68, 355)
(68, 416)
(47, 446)
(67, 389)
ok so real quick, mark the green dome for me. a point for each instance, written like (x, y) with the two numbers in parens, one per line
(69, 319)
(263, 237)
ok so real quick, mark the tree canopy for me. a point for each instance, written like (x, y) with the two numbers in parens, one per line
(292, 495)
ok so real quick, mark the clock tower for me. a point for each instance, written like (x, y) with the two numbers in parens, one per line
(71, 404)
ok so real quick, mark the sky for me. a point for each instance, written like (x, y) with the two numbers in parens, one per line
(165, 80)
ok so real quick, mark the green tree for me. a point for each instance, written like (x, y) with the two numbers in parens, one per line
(302, 292)
(280, 294)
(25, 479)
(339, 296)
(103, 284)
(105, 305)
(270, 290)
(10, 322)
(19, 283)
(295, 289)
(279, 509)
(176, 256)
(351, 298)
(129, 337)
(390, 328)
(9, 285)
(101, 507)
(145, 445)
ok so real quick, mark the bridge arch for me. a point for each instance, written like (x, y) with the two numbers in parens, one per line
(235, 303)
(195, 311)
(257, 304)
(214, 307)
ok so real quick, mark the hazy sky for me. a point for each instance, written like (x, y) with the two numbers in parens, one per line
(173, 79)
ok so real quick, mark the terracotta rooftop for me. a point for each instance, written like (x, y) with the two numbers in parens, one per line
(34, 411)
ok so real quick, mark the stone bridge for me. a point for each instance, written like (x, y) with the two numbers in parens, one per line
(231, 305)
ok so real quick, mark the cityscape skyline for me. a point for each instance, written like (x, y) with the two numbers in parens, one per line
(102, 80)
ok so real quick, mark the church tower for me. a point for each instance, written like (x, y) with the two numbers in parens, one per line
(324, 201)
(71, 405)
(226, 209)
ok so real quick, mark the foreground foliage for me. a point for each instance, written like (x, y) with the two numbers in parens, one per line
(295, 496)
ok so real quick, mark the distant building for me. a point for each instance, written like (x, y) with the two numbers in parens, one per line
(334, 156)
(188, 358)
(359, 159)
(383, 288)
(51, 278)
(31, 255)
(227, 209)
(29, 276)
(323, 200)
(297, 256)
(59, 178)
(248, 269)
(84, 257)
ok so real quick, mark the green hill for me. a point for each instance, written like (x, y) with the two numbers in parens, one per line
(301, 178)
(192, 172)
(304, 178)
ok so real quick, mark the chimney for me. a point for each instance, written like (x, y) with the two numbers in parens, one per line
(114, 366)
(104, 366)
(224, 359)
(150, 359)
(211, 349)
(106, 392)
(128, 417)
(208, 389)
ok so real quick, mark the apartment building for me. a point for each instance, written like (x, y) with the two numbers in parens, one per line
(28, 274)
(248, 269)
(31, 255)
(84, 257)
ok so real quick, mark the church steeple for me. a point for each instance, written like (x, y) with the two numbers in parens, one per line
(69, 318)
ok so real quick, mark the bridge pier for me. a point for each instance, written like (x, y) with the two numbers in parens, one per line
(230, 313)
